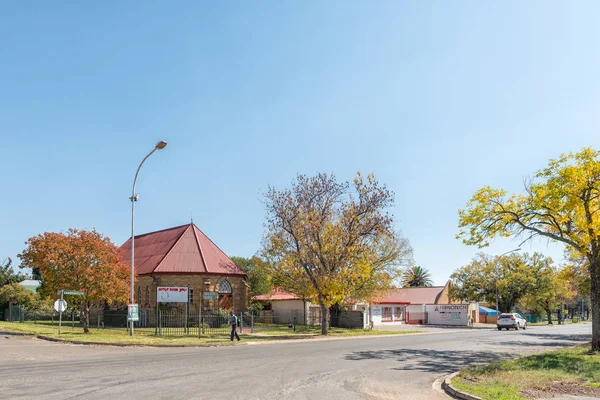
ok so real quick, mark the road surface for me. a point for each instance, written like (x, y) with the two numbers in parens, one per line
(349, 368)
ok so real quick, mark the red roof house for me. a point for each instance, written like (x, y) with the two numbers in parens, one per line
(184, 256)
(276, 294)
(180, 250)
(417, 295)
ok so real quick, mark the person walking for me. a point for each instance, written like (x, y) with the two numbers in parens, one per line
(233, 322)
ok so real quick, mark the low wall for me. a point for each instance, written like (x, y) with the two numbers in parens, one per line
(348, 319)
(487, 319)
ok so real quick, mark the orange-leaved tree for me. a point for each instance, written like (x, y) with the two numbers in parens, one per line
(80, 260)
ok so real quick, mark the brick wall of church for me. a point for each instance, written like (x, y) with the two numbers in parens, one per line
(145, 290)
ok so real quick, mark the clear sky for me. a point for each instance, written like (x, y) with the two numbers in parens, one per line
(436, 98)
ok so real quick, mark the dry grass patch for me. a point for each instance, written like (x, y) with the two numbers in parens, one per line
(574, 371)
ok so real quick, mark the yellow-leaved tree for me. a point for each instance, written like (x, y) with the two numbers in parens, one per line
(561, 203)
(332, 242)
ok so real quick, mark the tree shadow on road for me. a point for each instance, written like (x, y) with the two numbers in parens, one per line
(562, 337)
(430, 360)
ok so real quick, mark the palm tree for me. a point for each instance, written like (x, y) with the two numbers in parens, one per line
(416, 276)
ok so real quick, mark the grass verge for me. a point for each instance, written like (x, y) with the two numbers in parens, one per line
(146, 336)
(573, 371)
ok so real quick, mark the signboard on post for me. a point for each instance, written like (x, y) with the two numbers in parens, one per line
(172, 294)
(447, 314)
(133, 312)
(71, 292)
(210, 295)
(60, 305)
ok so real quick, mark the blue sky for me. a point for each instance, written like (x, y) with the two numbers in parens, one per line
(436, 98)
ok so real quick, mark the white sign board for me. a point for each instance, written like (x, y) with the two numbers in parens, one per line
(60, 305)
(447, 314)
(172, 294)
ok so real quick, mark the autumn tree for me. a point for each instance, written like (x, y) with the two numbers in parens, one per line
(550, 292)
(329, 241)
(576, 272)
(258, 274)
(79, 260)
(416, 276)
(511, 276)
(560, 203)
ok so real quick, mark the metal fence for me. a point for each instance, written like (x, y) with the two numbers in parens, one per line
(180, 323)
(104, 319)
(18, 313)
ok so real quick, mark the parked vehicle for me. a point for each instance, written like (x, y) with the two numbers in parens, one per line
(511, 320)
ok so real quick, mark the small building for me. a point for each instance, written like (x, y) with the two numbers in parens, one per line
(487, 315)
(184, 257)
(285, 307)
(31, 284)
(406, 305)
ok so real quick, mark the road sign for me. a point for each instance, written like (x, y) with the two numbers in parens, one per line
(71, 292)
(60, 305)
(133, 312)
(210, 295)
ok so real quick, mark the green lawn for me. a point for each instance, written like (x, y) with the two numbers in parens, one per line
(146, 336)
(570, 371)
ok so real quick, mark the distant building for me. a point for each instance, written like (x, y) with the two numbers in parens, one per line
(397, 304)
(421, 305)
(31, 284)
(184, 256)
(285, 307)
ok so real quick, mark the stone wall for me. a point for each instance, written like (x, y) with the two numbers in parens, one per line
(146, 297)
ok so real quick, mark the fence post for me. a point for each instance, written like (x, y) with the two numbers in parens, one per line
(185, 326)
(160, 323)
(73, 319)
(251, 322)
(242, 322)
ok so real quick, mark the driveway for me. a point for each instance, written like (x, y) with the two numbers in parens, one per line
(349, 368)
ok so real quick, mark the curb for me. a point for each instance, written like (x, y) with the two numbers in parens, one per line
(81, 342)
(452, 391)
(246, 341)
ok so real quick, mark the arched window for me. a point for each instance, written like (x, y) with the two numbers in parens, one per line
(224, 287)
(147, 295)
(191, 295)
(139, 297)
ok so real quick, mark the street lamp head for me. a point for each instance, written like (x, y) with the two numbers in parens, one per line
(160, 145)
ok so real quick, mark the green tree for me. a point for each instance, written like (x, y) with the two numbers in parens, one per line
(329, 241)
(258, 274)
(511, 276)
(13, 293)
(8, 275)
(550, 291)
(560, 203)
(416, 276)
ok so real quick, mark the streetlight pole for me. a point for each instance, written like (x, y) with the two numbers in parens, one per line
(503, 254)
(159, 146)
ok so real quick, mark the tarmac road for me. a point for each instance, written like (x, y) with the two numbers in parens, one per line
(397, 367)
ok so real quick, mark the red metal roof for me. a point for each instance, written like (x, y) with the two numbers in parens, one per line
(277, 294)
(426, 295)
(182, 249)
